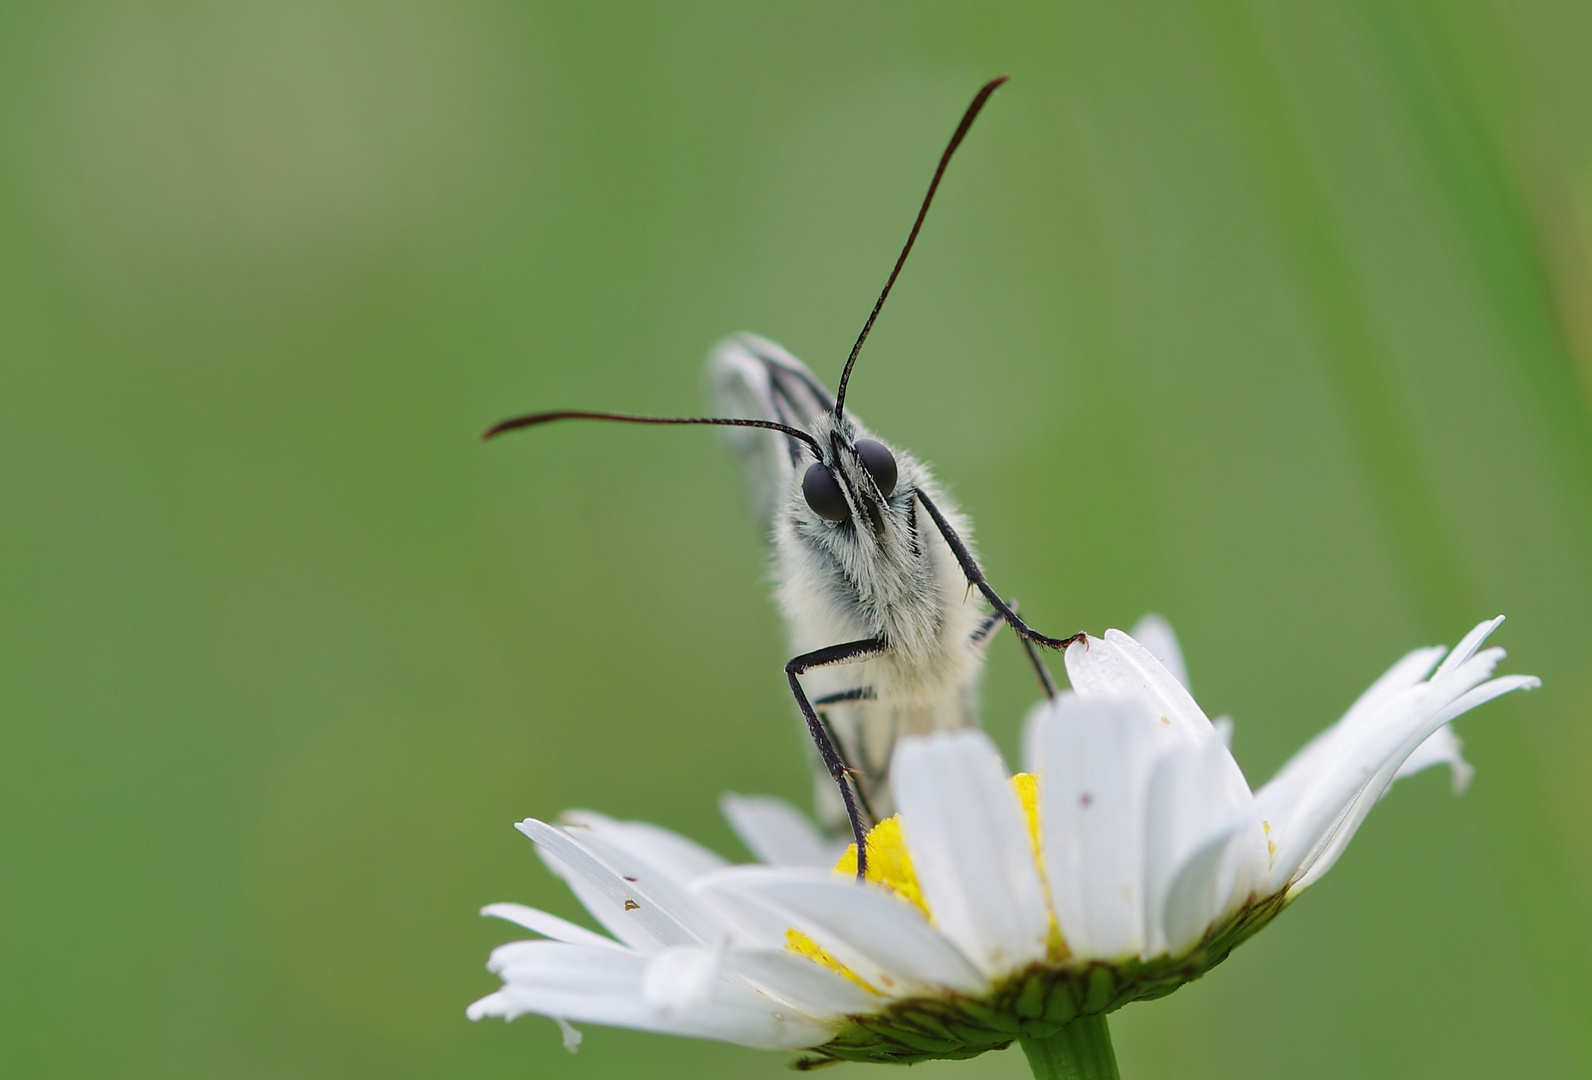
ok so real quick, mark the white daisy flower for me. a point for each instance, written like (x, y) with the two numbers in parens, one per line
(1130, 857)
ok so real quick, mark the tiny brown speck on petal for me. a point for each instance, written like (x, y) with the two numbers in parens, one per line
(631, 905)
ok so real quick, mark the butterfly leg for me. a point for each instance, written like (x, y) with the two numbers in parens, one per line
(986, 629)
(859, 693)
(975, 577)
(847, 697)
(848, 653)
(1040, 670)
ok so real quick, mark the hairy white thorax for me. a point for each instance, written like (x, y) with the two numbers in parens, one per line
(884, 572)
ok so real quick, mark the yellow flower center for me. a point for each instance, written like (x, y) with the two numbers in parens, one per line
(889, 863)
(890, 868)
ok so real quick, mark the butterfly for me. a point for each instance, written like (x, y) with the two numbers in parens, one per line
(873, 565)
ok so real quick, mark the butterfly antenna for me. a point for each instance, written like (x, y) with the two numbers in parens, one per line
(945, 159)
(533, 419)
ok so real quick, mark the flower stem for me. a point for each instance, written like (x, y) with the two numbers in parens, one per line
(1079, 1051)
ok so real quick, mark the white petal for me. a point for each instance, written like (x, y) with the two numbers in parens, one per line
(497, 1003)
(1316, 802)
(666, 880)
(968, 837)
(568, 1033)
(1224, 730)
(1348, 823)
(548, 925)
(663, 850)
(1190, 803)
(625, 907)
(1034, 722)
(885, 941)
(775, 831)
(681, 978)
(1093, 758)
(793, 978)
(1410, 670)
(604, 986)
(1155, 634)
(1311, 792)
(1188, 901)
(1467, 647)
(1118, 666)
(758, 925)
(1309, 811)
(1222, 874)
(1443, 748)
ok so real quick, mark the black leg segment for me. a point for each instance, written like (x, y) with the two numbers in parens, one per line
(975, 577)
(847, 653)
(859, 693)
(1040, 669)
(986, 628)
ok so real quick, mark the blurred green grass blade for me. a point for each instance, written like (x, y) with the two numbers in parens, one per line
(1472, 150)
(1529, 856)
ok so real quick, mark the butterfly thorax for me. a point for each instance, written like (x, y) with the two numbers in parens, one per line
(883, 572)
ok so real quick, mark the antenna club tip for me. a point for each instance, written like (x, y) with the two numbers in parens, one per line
(512, 424)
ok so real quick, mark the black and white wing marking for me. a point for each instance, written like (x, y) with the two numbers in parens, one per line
(756, 379)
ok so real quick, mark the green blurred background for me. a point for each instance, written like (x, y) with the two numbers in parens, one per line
(1275, 318)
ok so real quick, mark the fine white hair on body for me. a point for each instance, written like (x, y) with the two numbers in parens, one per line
(896, 579)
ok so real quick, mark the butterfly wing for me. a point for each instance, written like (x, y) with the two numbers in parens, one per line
(754, 378)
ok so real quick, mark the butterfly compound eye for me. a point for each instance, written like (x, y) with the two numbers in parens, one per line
(823, 493)
(879, 463)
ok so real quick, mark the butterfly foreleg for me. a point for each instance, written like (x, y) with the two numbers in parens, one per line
(857, 693)
(979, 638)
(975, 577)
(848, 653)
